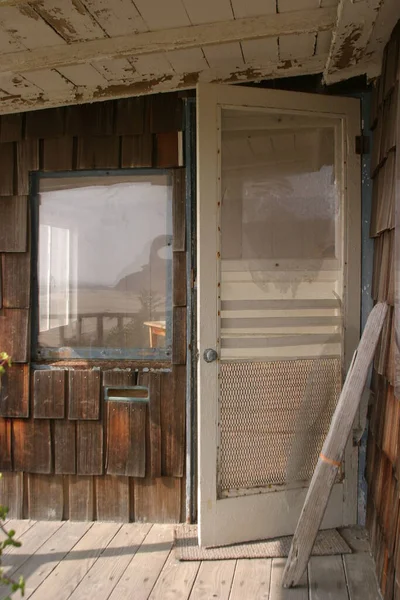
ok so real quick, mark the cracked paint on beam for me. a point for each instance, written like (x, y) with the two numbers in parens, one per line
(194, 36)
(354, 27)
(164, 83)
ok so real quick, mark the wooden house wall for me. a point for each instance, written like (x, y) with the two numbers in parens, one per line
(64, 452)
(383, 449)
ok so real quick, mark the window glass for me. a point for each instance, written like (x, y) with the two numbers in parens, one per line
(104, 266)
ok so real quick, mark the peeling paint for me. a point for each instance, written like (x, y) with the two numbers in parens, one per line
(287, 64)
(348, 52)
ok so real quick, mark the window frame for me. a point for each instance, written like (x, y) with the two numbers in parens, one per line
(99, 353)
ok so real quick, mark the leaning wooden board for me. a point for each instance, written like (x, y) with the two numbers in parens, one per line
(333, 449)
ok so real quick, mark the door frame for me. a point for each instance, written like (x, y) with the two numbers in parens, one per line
(210, 512)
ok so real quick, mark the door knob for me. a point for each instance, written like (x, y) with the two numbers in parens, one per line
(210, 355)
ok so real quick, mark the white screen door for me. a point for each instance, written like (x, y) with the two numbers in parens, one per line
(278, 313)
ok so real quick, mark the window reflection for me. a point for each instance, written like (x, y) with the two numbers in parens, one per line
(105, 262)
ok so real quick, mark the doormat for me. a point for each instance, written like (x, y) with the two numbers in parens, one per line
(328, 542)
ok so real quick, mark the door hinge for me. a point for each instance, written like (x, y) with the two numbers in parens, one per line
(362, 144)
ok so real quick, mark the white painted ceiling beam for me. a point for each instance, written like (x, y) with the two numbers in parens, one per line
(355, 23)
(81, 95)
(252, 28)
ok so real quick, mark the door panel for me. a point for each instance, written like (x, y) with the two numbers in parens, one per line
(274, 274)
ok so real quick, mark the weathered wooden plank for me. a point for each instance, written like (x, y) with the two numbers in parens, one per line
(65, 447)
(179, 279)
(24, 26)
(177, 576)
(120, 19)
(101, 152)
(327, 578)
(158, 17)
(179, 211)
(277, 592)
(157, 500)
(16, 273)
(33, 539)
(14, 392)
(13, 224)
(11, 493)
(81, 498)
(6, 169)
(10, 128)
(65, 578)
(77, 26)
(5, 445)
(27, 161)
(42, 124)
(145, 43)
(45, 497)
(155, 425)
(142, 573)
(179, 335)
(35, 570)
(32, 446)
(112, 498)
(126, 438)
(161, 83)
(361, 577)
(214, 580)
(300, 45)
(167, 149)
(83, 75)
(51, 82)
(119, 377)
(112, 564)
(49, 394)
(137, 150)
(173, 395)
(84, 394)
(90, 119)
(252, 579)
(353, 29)
(89, 448)
(14, 334)
(57, 154)
(333, 448)
(356, 537)
(130, 116)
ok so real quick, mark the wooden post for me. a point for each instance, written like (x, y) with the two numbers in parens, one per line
(332, 451)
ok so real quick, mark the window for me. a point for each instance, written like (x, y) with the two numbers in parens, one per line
(104, 265)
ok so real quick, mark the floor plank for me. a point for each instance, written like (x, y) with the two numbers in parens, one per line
(361, 579)
(327, 580)
(252, 579)
(277, 592)
(69, 573)
(106, 572)
(176, 580)
(145, 567)
(20, 527)
(31, 541)
(214, 580)
(356, 537)
(42, 563)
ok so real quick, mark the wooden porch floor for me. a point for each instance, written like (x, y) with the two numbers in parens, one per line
(80, 561)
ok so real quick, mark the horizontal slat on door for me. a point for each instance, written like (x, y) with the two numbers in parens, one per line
(280, 309)
(276, 290)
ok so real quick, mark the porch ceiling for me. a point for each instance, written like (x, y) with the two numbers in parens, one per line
(57, 52)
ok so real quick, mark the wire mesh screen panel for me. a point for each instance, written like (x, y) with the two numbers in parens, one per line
(274, 417)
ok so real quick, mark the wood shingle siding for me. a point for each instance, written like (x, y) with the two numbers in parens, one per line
(383, 448)
(65, 451)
